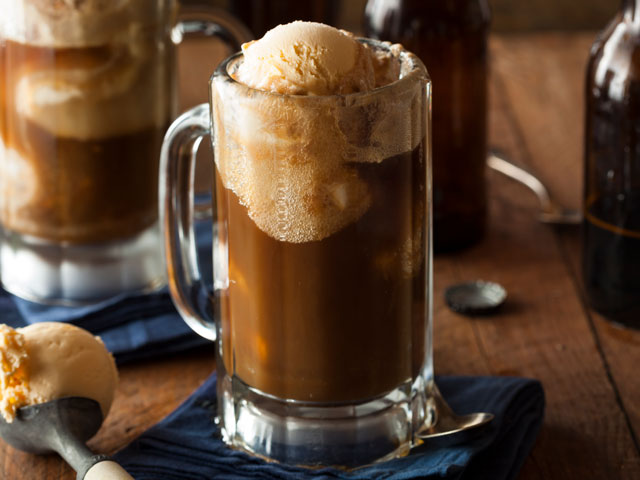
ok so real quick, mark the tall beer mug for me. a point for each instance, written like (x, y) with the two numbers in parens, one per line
(87, 91)
(322, 263)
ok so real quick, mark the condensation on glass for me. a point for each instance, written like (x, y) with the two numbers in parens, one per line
(86, 94)
(322, 265)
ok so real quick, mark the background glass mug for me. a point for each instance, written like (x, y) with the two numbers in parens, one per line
(322, 264)
(87, 91)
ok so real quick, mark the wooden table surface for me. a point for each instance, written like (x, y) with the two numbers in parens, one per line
(587, 366)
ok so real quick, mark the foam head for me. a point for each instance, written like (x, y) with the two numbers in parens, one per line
(78, 23)
(106, 72)
(292, 159)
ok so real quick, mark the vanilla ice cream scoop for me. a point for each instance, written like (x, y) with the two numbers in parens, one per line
(307, 58)
(51, 360)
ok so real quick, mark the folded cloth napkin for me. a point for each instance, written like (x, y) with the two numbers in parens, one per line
(187, 446)
(132, 325)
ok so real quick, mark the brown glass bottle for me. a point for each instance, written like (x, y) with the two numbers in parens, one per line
(611, 227)
(262, 15)
(450, 36)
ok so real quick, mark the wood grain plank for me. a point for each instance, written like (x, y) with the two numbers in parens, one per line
(620, 346)
(551, 14)
(547, 116)
(546, 86)
(542, 333)
(563, 170)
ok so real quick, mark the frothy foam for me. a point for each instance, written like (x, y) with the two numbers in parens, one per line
(108, 72)
(78, 23)
(113, 97)
(292, 160)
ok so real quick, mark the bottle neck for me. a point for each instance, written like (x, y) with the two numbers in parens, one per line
(631, 10)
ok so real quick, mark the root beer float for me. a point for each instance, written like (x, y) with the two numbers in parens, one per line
(321, 194)
(86, 93)
(322, 253)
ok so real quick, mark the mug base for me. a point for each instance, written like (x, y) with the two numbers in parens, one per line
(315, 435)
(69, 274)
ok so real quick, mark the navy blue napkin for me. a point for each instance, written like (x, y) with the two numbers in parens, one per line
(186, 445)
(133, 326)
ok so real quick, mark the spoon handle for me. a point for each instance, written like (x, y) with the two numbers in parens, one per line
(550, 212)
(107, 469)
(85, 463)
(520, 175)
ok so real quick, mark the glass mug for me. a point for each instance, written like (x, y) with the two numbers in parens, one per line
(87, 91)
(322, 264)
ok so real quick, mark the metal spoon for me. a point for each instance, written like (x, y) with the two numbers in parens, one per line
(550, 212)
(63, 426)
(449, 427)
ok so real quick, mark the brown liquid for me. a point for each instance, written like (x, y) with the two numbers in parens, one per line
(451, 39)
(336, 320)
(611, 227)
(611, 257)
(78, 190)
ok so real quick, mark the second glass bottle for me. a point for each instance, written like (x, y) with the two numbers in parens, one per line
(451, 39)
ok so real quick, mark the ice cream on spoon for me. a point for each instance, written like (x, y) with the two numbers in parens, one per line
(46, 361)
(57, 383)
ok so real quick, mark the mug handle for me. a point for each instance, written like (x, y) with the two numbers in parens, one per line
(191, 297)
(209, 22)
